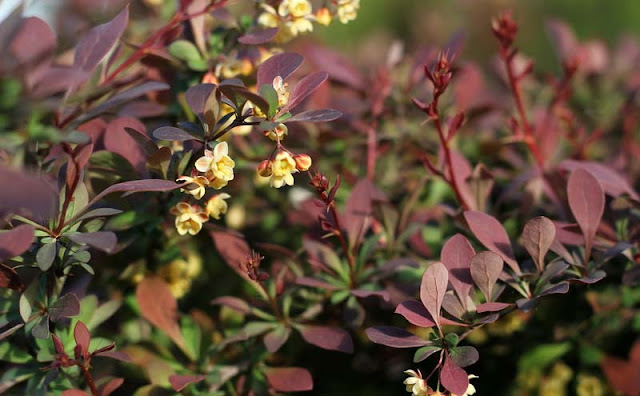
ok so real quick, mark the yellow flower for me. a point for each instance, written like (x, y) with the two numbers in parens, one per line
(303, 162)
(347, 10)
(323, 16)
(281, 88)
(415, 384)
(232, 67)
(265, 168)
(278, 133)
(194, 185)
(193, 265)
(283, 169)
(269, 18)
(471, 390)
(299, 26)
(217, 205)
(295, 8)
(589, 385)
(180, 287)
(562, 372)
(217, 165)
(189, 218)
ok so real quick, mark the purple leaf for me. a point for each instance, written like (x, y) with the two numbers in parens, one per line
(16, 241)
(415, 313)
(66, 306)
(432, 289)
(611, 181)
(359, 209)
(258, 36)
(597, 276)
(456, 255)
(234, 303)
(558, 288)
(563, 39)
(491, 307)
(172, 133)
(289, 379)
(312, 282)
(117, 140)
(303, 89)
(123, 97)
(394, 337)
(83, 338)
(485, 270)
(159, 306)
(276, 338)
(371, 293)
(97, 43)
(101, 240)
(58, 79)
(117, 355)
(282, 65)
(331, 338)
(111, 386)
(537, 237)
(240, 94)
(33, 44)
(321, 115)
(464, 356)
(34, 194)
(453, 378)
(134, 186)
(197, 97)
(179, 382)
(233, 249)
(338, 67)
(492, 235)
(586, 200)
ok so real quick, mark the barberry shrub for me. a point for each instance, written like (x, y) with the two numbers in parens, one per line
(201, 205)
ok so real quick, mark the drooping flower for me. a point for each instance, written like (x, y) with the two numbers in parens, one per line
(278, 133)
(283, 168)
(303, 162)
(323, 16)
(189, 219)
(217, 165)
(415, 384)
(217, 205)
(193, 185)
(281, 88)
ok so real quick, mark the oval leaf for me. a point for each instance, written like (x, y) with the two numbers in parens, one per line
(331, 338)
(16, 241)
(432, 289)
(321, 115)
(415, 313)
(492, 235)
(159, 307)
(276, 338)
(258, 36)
(67, 306)
(172, 133)
(537, 237)
(485, 270)
(289, 379)
(45, 256)
(394, 337)
(179, 382)
(97, 43)
(456, 255)
(464, 356)
(101, 240)
(453, 378)
(586, 200)
(303, 89)
(282, 65)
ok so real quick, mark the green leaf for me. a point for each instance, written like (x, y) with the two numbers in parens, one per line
(269, 94)
(45, 256)
(13, 354)
(185, 50)
(339, 296)
(543, 355)
(451, 339)
(424, 352)
(41, 328)
(102, 313)
(192, 336)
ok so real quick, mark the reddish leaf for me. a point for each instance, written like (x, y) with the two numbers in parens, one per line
(111, 386)
(303, 89)
(453, 378)
(563, 39)
(623, 375)
(117, 140)
(359, 209)
(129, 187)
(491, 307)
(233, 303)
(464, 356)
(34, 193)
(16, 241)
(456, 255)
(66, 306)
(338, 67)
(282, 65)
(537, 237)
(74, 392)
(371, 293)
(432, 289)
(83, 338)
(57, 79)
(610, 180)
(240, 94)
(34, 43)
(322, 115)
(172, 133)
(415, 313)
(331, 338)
(289, 379)
(312, 282)
(97, 43)
(197, 97)
(117, 355)
(492, 235)
(101, 240)
(485, 271)
(586, 200)
(123, 97)
(234, 250)
(394, 337)
(276, 338)
(159, 307)
(179, 382)
(258, 36)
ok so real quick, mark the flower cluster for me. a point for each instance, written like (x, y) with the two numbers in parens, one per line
(296, 17)
(180, 273)
(417, 385)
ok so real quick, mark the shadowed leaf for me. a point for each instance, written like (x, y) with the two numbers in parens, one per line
(321, 115)
(83, 338)
(303, 89)
(97, 43)
(415, 313)
(424, 352)
(34, 194)
(394, 337)
(491, 307)
(464, 356)
(172, 133)
(66, 306)
(111, 386)
(233, 303)
(101, 240)
(9, 278)
(331, 338)
(276, 338)
(16, 241)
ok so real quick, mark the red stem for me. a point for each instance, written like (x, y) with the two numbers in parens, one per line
(89, 379)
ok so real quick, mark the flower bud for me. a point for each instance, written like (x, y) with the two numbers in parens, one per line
(303, 162)
(265, 168)
(323, 16)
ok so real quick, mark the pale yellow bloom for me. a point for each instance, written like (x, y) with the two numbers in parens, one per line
(299, 26)
(589, 385)
(324, 17)
(283, 169)
(217, 165)
(415, 384)
(295, 8)
(189, 219)
(193, 265)
(278, 133)
(348, 10)
(232, 67)
(217, 205)
(281, 88)
(471, 390)
(194, 185)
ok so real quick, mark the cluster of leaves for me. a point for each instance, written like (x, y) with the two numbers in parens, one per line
(340, 252)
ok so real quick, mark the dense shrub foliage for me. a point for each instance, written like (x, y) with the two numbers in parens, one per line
(196, 201)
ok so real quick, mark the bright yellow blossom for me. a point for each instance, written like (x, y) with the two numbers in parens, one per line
(194, 185)
(189, 219)
(283, 168)
(217, 165)
(217, 205)
(295, 8)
